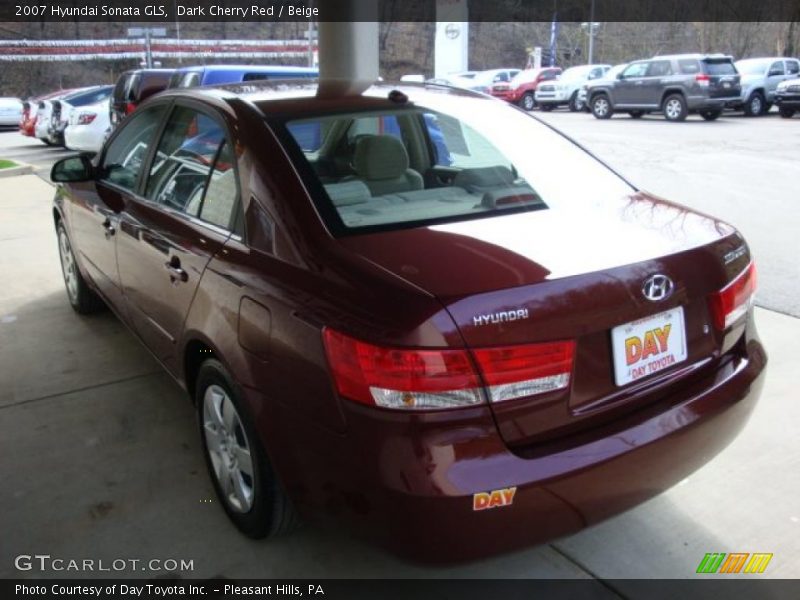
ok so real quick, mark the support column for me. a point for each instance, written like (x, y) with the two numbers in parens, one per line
(348, 56)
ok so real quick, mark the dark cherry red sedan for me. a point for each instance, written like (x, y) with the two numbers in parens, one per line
(456, 355)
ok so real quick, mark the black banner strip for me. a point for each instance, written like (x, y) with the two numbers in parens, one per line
(169, 11)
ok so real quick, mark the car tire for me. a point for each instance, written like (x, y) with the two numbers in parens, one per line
(636, 114)
(527, 102)
(786, 113)
(574, 105)
(547, 107)
(601, 107)
(81, 297)
(674, 108)
(710, 115)
(755, 105)
(240, 471)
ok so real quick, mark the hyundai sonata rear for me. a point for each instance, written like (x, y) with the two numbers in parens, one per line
(573, 347)
(418, 312)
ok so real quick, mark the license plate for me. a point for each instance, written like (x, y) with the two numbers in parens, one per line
(649, 345)
(726, 85)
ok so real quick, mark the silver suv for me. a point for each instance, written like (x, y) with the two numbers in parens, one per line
(674, 85)
(760, 79)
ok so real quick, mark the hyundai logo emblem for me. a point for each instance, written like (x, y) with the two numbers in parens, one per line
(452, 31)
(657, 287)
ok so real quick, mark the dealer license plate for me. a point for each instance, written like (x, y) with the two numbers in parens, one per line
(649, 345)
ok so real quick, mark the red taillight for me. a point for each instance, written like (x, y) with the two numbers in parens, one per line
(86, 118)
(130, 107)
(702, 79)
(732, 302)
(401, 378)
(434, 379)
(517, 371)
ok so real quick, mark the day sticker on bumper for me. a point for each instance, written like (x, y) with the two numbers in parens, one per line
(493, 499)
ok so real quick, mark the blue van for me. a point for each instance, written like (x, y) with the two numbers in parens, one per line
(221, 74)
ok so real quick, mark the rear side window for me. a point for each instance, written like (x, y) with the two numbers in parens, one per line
(193, 160)
(718, 67)
(792, 67)
(689, 66)
(659, 68)
(125, 156)
(776, 68)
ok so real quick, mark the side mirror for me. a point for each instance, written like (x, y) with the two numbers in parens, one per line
(72, 170)
(620, 75)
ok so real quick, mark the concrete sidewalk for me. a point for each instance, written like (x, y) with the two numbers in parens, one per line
(100, 457)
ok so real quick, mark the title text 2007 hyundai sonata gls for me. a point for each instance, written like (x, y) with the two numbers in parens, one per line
(398, 311)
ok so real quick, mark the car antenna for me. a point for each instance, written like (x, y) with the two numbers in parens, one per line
(398, 97)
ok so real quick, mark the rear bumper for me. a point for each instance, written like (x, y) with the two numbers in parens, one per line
(705, 103)
(408, 483)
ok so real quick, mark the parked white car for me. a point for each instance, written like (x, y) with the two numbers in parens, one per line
(760, 80)
(63, 109)
(10, 112)
(479, 81)
(88, 127)
(564, 90)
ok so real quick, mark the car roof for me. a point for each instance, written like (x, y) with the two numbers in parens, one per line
(695, 55)
(249, 68)
(298, 97)
(764, 58)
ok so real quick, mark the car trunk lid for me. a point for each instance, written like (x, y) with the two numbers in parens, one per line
(557, 275)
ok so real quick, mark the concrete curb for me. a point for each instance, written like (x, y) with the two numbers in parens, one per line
(20, 169)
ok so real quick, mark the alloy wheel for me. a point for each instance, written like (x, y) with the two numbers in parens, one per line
(528, 102)
(601, 107)
(673, 109)
(229, 449)
(755, 105)
(68, 266)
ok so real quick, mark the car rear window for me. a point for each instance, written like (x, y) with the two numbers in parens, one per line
(420, 166)
(718, 67)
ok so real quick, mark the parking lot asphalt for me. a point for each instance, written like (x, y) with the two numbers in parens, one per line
(31, 151)
(743, 170)
(101, 458)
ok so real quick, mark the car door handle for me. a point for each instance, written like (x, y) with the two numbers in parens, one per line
(176, 273)
(109, 227)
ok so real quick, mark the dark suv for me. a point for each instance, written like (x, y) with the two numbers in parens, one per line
(133, 88)
(673, 85)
